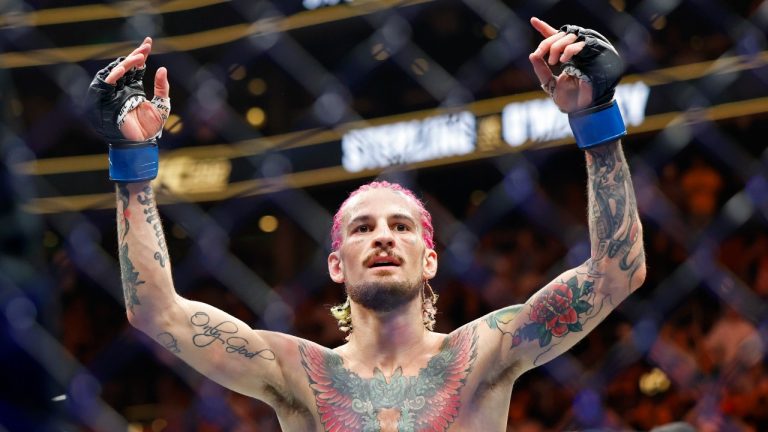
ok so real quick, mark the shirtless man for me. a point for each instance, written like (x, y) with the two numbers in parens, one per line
(394, 372)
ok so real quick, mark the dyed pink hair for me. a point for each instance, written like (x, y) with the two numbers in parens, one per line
(427, 232)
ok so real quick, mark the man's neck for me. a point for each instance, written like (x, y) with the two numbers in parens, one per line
(388, 340)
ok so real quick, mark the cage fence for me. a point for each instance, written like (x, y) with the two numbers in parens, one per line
(280, 109)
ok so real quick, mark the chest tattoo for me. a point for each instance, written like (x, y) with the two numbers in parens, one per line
(427, 402)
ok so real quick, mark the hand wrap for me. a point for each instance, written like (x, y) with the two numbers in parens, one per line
(600, 65)
(129, 161)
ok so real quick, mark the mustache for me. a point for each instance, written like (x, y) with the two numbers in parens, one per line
(377, 254)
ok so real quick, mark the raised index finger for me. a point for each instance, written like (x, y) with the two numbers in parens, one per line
(144, 49)
(543, 28)
(135, 59)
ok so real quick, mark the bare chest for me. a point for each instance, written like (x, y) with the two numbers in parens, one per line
(403, 410)
(435, 398)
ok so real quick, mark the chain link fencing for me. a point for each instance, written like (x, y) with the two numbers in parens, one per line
(264, 95)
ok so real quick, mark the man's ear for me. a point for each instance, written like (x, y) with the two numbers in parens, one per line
(336, 267)
(430, 264)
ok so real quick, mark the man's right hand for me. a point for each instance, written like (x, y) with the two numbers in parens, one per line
(145, 121)
(119, 111)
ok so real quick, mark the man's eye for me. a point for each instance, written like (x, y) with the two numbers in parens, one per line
(362, 228)
(401, 227)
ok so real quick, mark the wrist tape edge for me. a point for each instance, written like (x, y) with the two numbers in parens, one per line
(597, 125)
(133, 161)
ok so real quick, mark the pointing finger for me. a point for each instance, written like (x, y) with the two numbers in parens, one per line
(543, 28)
(130, 62)
(137, 58)
(144, 50)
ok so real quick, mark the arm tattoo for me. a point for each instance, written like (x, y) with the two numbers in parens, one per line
(561, 308)
(128, 273)
(224, 333)
(614, 228)
(167, 340)
(566, 306)
(429, 401)
(497, 320)
(124, 196)
(153, 219)
(130, 278)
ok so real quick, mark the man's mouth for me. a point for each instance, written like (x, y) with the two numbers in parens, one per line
(383, 261)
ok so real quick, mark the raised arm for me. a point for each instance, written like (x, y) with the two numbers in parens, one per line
(565, 310)
(213, 342)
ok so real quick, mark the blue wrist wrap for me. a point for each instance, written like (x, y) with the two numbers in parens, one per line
(597, 125)
(133, 162)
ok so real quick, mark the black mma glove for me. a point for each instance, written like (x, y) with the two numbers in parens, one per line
(599, 64)
(129, 161)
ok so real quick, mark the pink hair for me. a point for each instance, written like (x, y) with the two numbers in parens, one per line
(427, 232)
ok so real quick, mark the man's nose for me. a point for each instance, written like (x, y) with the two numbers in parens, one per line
(384, 237)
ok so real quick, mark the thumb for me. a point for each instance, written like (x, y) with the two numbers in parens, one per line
(162, 88)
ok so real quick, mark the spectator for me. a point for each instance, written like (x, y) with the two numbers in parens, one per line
(701, 185)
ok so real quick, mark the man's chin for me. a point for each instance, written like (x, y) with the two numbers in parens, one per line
(384, 294)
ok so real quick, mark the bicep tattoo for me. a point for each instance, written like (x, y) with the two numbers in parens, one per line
(226, 334)
(559, 309)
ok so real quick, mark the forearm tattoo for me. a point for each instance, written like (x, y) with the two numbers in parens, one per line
(130, 278)
(614, 226)
(147, 199)
(566, 306)
(128, 273)
(428, 401)
(124, 196)
(224, 333)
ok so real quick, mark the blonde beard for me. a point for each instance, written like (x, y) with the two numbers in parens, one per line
(384, 296)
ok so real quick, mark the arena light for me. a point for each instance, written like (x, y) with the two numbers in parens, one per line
(379, 52)
(174, 124)
(256, 117)
(268, 223)
(257, 86)
(237, 72)
(317, 4)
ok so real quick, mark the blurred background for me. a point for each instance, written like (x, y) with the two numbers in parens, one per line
(281, 108)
